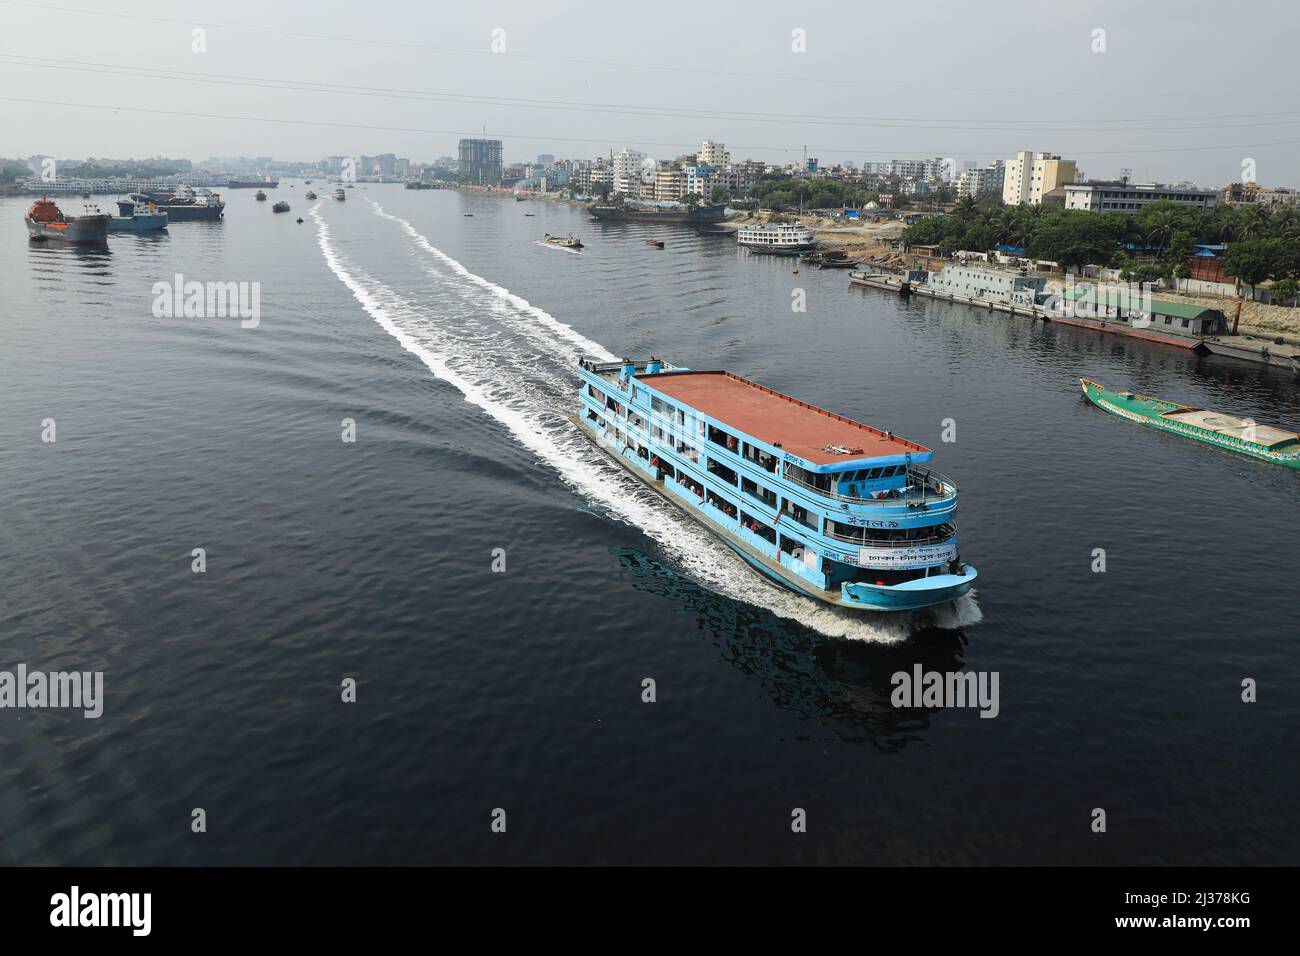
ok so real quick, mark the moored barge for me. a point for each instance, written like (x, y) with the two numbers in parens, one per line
(1242, 435)
(836, 510)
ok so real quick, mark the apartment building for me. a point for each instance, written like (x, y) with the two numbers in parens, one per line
(1029, 176)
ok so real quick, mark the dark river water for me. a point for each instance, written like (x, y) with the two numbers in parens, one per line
(451, 343)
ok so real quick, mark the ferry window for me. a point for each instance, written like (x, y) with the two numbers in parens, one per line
(874, 474)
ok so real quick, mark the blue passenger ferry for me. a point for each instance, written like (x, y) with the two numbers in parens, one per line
(836, 510)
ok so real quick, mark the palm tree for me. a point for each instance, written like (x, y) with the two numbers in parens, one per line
(1160, 228)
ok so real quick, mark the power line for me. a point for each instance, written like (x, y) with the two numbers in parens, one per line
(312, 86)
(854, 151)
(781, 78)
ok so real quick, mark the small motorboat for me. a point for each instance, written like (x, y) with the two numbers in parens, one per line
(306, 182)
(300, 220)
(261, 196)
(564, 242)
(310, 194)
(530, 215)
(340, 195)
(657, 243)
(469, 215)
(281, 206)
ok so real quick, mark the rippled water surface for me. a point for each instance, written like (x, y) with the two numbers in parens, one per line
(451, 342)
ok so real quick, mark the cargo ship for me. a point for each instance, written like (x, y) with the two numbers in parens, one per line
(835, 510)
(631, 210)
(145, 217)
(252, 183)
(185, 204)
(1242, 435)
(46, 221)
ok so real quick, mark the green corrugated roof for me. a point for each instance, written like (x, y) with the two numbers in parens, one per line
(1121, 298)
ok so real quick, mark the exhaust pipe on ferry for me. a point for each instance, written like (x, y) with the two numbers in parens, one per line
(629, 369)
(654, 367)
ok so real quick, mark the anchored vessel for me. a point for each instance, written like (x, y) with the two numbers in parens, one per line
(144, 218)
(629, 210)
(185, 204)
(281, 206)
(340, 195)
(781, 238)
(836, 510)
(1237, 434)
(46, 221)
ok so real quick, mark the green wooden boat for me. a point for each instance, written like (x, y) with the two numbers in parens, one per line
(1241, 435)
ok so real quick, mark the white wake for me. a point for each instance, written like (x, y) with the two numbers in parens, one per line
(467, 331)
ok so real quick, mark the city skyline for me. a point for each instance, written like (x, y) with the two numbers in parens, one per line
(293, 85)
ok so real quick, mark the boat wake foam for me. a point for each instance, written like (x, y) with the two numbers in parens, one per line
(468, 331)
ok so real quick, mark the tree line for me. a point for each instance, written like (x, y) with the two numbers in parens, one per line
(1151, 244)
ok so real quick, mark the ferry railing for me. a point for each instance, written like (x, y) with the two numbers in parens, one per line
(942, 487)
(894, 542)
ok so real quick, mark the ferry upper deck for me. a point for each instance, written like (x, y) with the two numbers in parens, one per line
(813, 434)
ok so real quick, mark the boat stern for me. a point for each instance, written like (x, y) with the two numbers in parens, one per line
(909, 595)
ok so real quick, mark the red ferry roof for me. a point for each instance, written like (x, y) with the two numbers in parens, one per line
(803, 430)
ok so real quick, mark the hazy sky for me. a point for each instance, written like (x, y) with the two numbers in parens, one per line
(974, 81)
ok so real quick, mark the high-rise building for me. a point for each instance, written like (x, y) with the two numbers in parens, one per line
(1030, 176)
(628, 164)
(713, 154)
(984, 181)
(480, 160)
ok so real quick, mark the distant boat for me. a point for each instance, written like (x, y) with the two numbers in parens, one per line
(340, 195)
(184, 205)
(784, 239)
(46, 221)
(260, 183)
(1242, 435)
(281, 206)
(469, 215)
(306, 182)
(300, 219)
(530, 214)
(146, 217)
(310, 194)
(564, 242)
(261, 196)
(521, 198)
(657, 243)
(628, 210)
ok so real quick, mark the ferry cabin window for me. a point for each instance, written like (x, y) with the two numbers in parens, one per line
(757, 491)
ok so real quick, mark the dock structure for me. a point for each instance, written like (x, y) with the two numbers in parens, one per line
(1216, 340)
